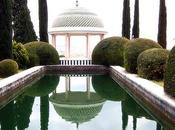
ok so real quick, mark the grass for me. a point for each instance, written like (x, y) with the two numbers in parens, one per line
(158, 82)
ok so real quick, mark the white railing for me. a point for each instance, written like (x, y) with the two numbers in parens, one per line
(75, 62)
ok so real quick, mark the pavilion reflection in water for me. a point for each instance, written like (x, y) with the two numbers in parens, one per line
(77, 106)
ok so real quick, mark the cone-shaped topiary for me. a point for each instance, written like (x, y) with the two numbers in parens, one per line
(132, 50)
(41, 53)
(20, 54)
(151, 63)
(109, 51)
(169, 77)
(8, 67)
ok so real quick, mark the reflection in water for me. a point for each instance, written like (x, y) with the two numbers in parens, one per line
(75, 106)
(7, 117)
(108, 88)
(44, 86)
(44, 110)
(23, 110)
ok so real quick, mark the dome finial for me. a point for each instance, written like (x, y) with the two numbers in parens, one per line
(76, 3)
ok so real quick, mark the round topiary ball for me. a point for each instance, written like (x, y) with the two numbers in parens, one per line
(20, 55)
(8, 67)
(169, 77)
(151, 63)
(109, 51)
(42, 53)
(132, 50)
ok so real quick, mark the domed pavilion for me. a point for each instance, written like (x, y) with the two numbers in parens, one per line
(76, 21)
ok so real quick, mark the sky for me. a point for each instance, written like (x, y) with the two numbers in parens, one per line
(110, 12)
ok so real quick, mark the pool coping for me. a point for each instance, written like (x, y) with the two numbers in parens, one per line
(151, 94)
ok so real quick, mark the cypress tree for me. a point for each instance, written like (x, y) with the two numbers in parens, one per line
(22, 24)
(43, 20)
(126, 19)
(135, 29)
(161, 38)
(5, 29)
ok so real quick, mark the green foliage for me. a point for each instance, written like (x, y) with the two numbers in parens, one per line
(169, 77)
(162, 27)
(41, 53)
(43, 20)
(132, 50)
(5, 29)
(135, 29)
(8, 67)
(20, 54)
(126, 19)
(151, 63)
(22, 24)
(109, 51)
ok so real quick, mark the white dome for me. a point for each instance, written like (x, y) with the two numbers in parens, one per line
(77, 19)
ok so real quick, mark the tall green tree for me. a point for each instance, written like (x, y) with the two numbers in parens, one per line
(161, 38)
(22, 24)
(43, 20)
(5, 29)
(135, 29)
(126, 19)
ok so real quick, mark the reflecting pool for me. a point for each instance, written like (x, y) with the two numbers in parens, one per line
(71, 102)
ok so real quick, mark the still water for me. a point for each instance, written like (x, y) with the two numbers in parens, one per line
(64, 102)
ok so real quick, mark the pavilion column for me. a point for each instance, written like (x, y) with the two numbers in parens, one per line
(88, 87)
(54, 40)
(101, 37)
(87, 46)
(67, 46)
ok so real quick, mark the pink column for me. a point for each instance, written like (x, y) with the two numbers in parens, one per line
(54, 40)
(68, 45)
(87, 46)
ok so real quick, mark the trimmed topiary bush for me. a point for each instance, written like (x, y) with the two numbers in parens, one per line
(151, 63)
(8, 67)
(109, 51)
(132, 50)
(41, 53)
(169, 77)
(20, 54)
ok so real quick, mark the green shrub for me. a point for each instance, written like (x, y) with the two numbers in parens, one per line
(41, 53)
(109, 51)
(169, 77)
(132, 50)
(20, 54)
(151, 63)
(8, 67)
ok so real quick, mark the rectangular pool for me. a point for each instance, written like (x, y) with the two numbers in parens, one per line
(71, 102)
